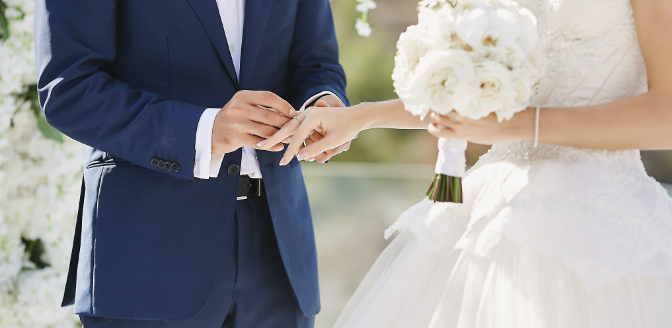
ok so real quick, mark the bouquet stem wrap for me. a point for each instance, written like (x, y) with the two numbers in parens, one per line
(450, 168)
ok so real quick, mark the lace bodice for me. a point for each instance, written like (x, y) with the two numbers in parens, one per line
(591, 52)
(592, 56)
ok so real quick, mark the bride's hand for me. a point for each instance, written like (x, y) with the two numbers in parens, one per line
(484, 131)
(337, 125)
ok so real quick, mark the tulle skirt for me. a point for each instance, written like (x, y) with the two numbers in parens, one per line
(547, 237)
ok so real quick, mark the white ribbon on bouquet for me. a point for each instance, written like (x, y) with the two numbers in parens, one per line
(451, 160)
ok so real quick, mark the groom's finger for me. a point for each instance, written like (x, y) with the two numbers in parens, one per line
(268, 99)
(252, 141)
(316, 148)
(321, 103)
(259, 129)
(335, 151)
(315, 137)
(262, 115)
(329, 153)
(329, 101)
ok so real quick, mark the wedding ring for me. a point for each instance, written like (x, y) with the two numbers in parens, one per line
(296, 118)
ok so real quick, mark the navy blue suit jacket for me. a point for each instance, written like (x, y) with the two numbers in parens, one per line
(130, 79)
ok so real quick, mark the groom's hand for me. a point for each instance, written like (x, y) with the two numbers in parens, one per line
(242, 122)
(326, 101)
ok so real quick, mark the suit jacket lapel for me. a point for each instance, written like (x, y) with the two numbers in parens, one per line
(208, 14)
(256, 18)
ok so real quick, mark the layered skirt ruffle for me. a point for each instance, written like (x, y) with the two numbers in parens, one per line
(547, 237)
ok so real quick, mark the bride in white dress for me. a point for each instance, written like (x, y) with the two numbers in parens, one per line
(572, 233)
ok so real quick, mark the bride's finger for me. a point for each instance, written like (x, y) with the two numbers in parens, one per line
(442, 131)
(284, 133)
(298, 138)
(454, 116)
(443, 120)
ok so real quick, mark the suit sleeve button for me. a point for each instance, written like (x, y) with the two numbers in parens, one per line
(155, 162)
(175, 167)
(161, 164)
(168, 166)
(233, 170)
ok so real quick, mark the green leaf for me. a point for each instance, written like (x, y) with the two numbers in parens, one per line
(47, 130)
(4, 29)
(35, 249)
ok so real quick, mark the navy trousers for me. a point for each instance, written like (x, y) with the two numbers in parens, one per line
(253, 269)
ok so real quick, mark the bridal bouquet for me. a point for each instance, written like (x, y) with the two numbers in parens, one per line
(476, 57)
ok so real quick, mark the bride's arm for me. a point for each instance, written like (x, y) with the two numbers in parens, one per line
(641, 122)
(340, 125)
(386, 114)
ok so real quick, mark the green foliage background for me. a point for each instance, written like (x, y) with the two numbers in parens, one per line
(4, 34)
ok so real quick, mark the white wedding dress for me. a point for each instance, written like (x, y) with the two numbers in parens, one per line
(547, 237)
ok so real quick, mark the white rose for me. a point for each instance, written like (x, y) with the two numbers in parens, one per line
(529, 35)
(521, 99)
(440, 25)
(524, 92)
(484, 27)
(440, 79)
(535, 65)
(511, 56)
(425, 16)
(491, 91)
(412, 45)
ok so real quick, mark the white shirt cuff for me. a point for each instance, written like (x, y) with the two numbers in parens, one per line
(206, 164)
(313, 98)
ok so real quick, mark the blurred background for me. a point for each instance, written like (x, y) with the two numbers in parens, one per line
(360, 193)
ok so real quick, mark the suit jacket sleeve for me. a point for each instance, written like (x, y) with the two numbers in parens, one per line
(313, 58)
(75, 44)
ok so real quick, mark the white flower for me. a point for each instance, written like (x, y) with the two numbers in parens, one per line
(39, 188)
(484, 27)
(523, 89)
(412, 45)
(365, 5)
(529, 36)
(440, 26)
(492, 91)
(440, 79)
(511, 56)
(434, 3)
(362, 25)
(363, 28)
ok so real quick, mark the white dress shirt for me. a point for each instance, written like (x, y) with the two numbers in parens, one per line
(207, 164)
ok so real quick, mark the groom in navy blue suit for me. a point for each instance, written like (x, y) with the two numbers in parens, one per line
(182, 223)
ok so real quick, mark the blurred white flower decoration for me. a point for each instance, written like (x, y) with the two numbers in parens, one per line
(40, 174)
(362, 25)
